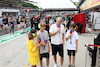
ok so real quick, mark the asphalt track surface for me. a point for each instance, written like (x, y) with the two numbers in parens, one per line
(13, 53)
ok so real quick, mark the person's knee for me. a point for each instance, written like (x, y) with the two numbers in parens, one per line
(73, 56)
(62, 58)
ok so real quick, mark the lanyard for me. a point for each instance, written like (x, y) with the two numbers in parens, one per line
(71, 38)
(36, 44)
(34, 41)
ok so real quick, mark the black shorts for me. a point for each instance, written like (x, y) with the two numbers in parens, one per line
(44, 55)
(57, 48)
(71, 52)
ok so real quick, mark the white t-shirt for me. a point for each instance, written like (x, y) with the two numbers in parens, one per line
(44, 36)
(57, 38)
(71, 42)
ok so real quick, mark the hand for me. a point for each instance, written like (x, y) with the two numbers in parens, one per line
(45, 44)
(48, 50)
(38, 45)
(58, 30)
(63, 43)
(70, 35)
(76, 51)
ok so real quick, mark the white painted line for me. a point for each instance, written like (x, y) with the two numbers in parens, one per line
(12, 39)
(0, 40)
(8, 33)
(92, 33)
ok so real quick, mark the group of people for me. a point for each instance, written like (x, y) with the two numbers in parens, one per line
(7, 22)
(38, 44)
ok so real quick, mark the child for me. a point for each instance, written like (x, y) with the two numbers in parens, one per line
(72, 43)
(32, 46)
(44, 48)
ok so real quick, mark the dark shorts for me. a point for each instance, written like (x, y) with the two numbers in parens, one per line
(71, 52)
(44, 55)
(57, 48)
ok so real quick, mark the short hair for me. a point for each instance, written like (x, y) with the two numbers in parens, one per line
(42, 24)
(30, 36)
(73, 25)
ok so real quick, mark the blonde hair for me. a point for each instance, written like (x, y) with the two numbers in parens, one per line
(42, 24)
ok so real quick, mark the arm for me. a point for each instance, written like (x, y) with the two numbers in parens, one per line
(63, 39)
(68, 37)
(2, 23)
(52, 34)
(76, 45)
(48, 47)
(43, 44)
(67, 21)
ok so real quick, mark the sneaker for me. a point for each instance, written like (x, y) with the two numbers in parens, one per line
(69, 65)
(73, 65)
(55, 65)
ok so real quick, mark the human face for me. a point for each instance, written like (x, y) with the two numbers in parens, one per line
(76, 26)
(42, 28)
(59, 20)
(35, 33)
(4, 17)
(72, 28)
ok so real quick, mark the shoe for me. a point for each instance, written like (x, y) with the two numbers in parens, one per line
(55, 65)
(69, 65)
(73, 65)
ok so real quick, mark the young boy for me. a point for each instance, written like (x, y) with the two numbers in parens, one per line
(42, 34)
(72, 43)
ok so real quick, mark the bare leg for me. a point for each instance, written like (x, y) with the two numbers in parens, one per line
(41, 63)
(73, 60)
(33, 66)
(6, 29)
(18, 28)
(61, 61)
(55, 59)
(69, 59)
(47, 61)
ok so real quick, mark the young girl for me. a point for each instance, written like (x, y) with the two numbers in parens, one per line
(32, 46)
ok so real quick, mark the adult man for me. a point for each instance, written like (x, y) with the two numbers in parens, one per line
(68, 21)
(57, 39)
(79, 27)
(22, 22)
(5, 22)
(32, 22)
(18, 22)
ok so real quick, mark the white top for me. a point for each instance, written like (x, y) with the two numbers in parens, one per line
(57, 38)
(44, 36)
(71, 42)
